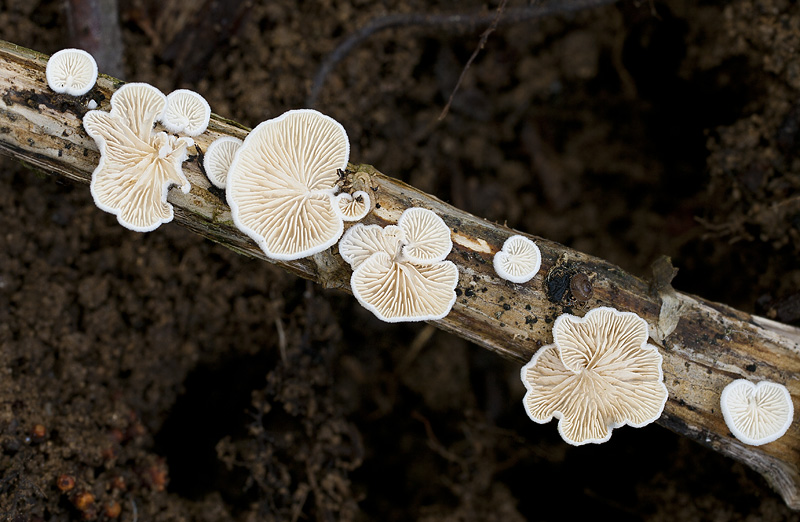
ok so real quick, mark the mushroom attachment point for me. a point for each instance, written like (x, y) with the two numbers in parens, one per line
(137, 165)
(187, 113)
(519, 260)
(756, 414)
(599, 374)
(399, 272)
(282, 183)
(353, 207)
(218, 158)
(71, 71)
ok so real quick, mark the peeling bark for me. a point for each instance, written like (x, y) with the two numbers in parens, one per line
(705, 345)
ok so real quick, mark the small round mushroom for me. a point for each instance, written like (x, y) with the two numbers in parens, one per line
(353, 207)
(282, 184)
(599, 374)
(399, 272)
(756, 414)
(187, 113)
(218, 158)
(71, 71)
(519, 260)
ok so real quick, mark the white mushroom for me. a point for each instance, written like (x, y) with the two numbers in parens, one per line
(756, 413)
(399, 272)
(519, 260)
(218, 158)
(187, 113)
(281, 186)
(71, 71)
(353, 207)
(137, 165)
(599, 374)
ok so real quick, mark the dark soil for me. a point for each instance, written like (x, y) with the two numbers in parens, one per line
(161, 377)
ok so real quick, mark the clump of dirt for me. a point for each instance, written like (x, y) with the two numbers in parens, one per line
(160, 377)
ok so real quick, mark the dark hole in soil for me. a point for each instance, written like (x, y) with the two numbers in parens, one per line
(214, 405)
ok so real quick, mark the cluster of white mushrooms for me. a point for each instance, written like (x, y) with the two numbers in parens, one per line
(281, 184)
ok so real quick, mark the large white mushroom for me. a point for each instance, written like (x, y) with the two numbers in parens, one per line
(599, 374)
(281, 186)
(137, 165)
(399, 272)
(756, 414)
(71, 71)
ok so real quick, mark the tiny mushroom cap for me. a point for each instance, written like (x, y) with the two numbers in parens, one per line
(71, 71)
(399, 272)
(218, 158)
(282, 183)
(353, 207)
(599, 374)
(756, 414)
(187, 112)
(137, 165)
(519, 260)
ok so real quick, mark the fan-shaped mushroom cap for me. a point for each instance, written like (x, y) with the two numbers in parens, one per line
(137, 166)
(519, 260)
(397, 292)
(426, 235)
(353, 207)
(757, 413)
(282, 182)
(218, 158)
(394, 285)
(599, 374)
(362, 241)
(71, 71)
(187, 113)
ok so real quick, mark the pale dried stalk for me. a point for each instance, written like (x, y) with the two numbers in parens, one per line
(705, 345)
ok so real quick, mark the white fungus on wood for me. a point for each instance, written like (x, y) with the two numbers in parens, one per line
(599, 374)
(218, 158)
(519, 260)
(71, 71)
(281, 186)
(137, 165)
(187, 113)
(399, 272)
(353, 207)
(756, 414)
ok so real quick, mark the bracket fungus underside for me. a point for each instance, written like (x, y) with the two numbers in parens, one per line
(756, 414)
(399, 272)
(281, 185)
(137, 165)
(599, 374)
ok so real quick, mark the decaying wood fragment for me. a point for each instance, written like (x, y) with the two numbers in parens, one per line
(705, 345)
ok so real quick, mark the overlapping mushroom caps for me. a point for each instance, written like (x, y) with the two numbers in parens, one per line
(71, 71)
(756, 414)
(519, 260)
(281, 186)
(399, 272)
(137, 165)
(599, 374)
